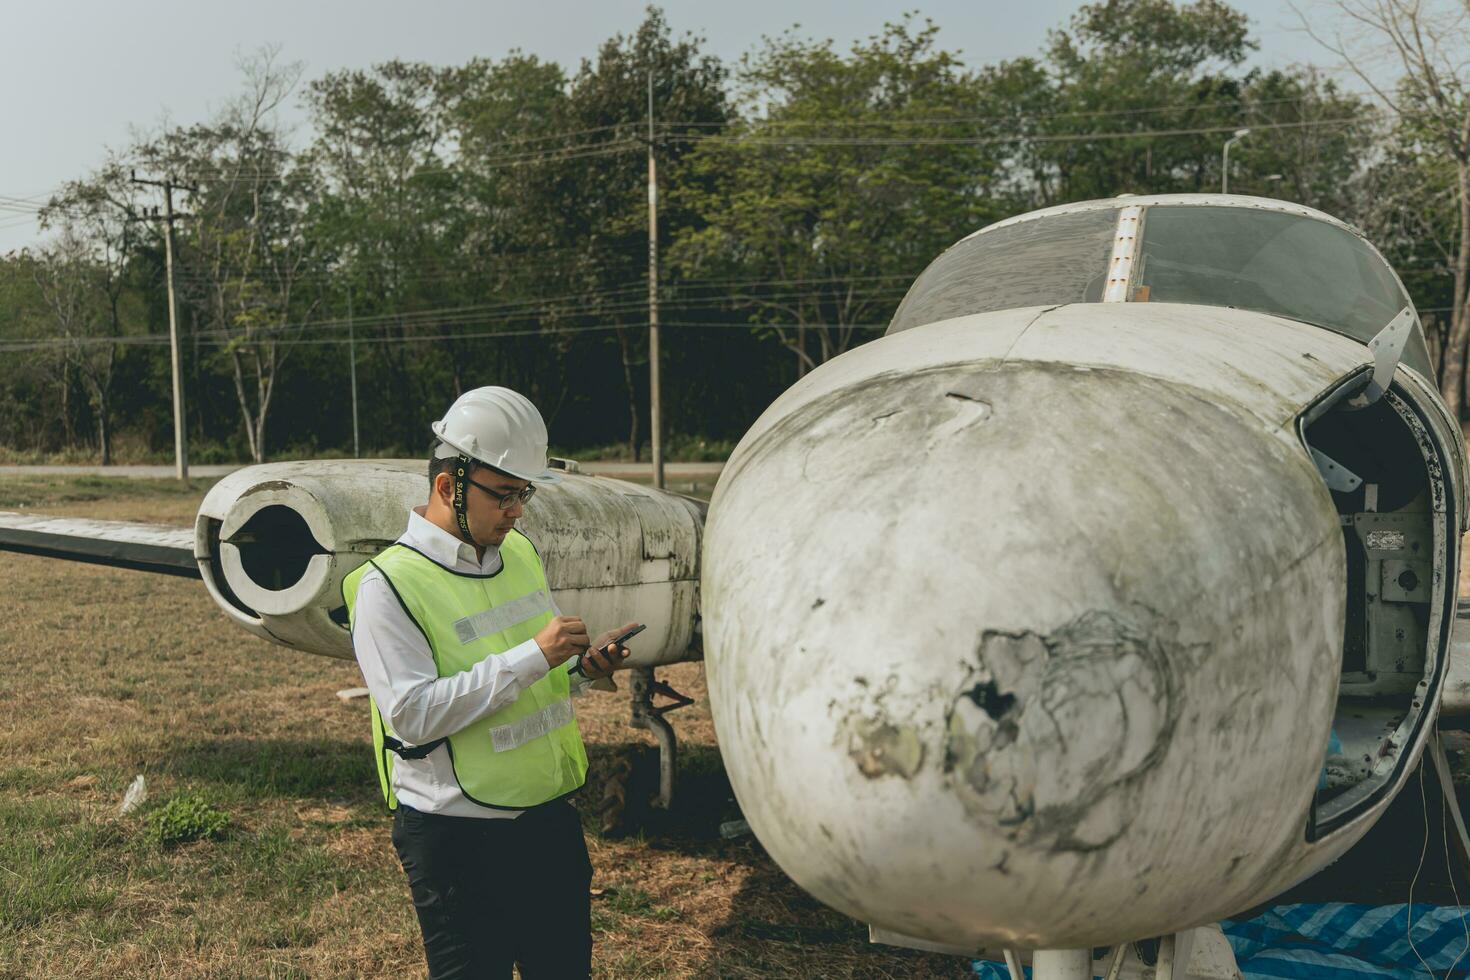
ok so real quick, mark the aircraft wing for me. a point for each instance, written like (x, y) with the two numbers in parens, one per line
(145, 547)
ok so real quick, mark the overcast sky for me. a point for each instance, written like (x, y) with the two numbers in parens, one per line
(78, 74)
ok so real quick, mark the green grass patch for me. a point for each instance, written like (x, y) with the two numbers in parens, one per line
(35, 491)
(54, 861)
(637, 902)
(629, 901)
(21, 779)
(184, 818)
(281, 768)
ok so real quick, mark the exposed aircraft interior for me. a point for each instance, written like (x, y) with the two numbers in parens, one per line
(1394, 552)
(1319, 273)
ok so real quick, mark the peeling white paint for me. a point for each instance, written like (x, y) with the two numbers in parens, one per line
(613, 551)
(1138, 566)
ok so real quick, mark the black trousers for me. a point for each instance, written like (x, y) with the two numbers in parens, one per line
(492, 892)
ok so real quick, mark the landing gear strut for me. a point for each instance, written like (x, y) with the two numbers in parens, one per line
(645, 715)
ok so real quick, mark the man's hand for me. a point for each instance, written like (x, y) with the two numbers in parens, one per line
(598, 663)
(562, 639)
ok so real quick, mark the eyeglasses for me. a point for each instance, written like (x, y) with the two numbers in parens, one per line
(507, 500)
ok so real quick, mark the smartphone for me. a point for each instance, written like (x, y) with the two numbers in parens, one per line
(616, 641)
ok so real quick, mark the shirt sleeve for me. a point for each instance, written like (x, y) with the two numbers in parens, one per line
(580, 682)
(398, 668)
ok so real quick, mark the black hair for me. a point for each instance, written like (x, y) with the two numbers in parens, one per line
(444, 464)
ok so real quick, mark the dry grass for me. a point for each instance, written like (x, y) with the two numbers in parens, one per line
(107, 674)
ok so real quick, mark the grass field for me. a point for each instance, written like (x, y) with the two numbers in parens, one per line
(106, 675)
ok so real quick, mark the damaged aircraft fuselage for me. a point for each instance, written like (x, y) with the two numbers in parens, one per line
(1032, 622)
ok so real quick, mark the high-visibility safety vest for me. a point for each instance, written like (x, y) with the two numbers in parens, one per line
(525, 754)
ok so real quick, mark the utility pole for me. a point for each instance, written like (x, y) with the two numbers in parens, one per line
(181, 449)
(655, 407)
(1240, 134)
(352, 353)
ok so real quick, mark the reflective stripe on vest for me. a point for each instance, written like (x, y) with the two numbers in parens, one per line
(526, 753)
(503, 738)
(493, 620)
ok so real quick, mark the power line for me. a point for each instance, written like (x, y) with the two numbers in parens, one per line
(606, 303)
(411, 326)
(535, 263)
(624, 146)
(585, 151)
(218, 339)
(631, 126)
(999, 140)
(667, 127)
(609, 303)
(46, 343)
(1029, 117)
(565, 134)
(590, 149)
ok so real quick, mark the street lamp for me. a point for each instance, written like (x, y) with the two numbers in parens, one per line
(1225, 159)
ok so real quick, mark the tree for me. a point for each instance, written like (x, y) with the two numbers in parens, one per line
(504, 118)
(1143, 67)
(389, 196)
(1310, 142)
(69, 278)
(596, 200)
(1424, 41)
(1410, 214)
(25, 412)
(82, 276)
(487, 222)
(849, 175)
(1138, 96)
(245, 252)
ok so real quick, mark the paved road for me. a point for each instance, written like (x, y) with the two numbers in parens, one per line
(672, 471)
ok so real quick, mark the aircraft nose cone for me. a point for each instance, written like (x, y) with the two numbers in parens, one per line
(1007, 652)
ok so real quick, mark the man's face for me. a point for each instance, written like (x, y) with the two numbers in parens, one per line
(490, 521)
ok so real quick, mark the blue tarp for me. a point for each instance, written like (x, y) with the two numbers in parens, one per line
(1337, 941)
(1350, 941)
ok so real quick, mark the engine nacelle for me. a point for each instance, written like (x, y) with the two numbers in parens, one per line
(275, 541)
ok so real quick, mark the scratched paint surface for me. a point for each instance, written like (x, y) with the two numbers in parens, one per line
(1022, 628)
(622, 551)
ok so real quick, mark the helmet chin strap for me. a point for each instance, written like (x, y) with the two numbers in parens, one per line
(461, 487)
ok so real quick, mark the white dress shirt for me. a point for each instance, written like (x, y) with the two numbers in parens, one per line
(416, 703)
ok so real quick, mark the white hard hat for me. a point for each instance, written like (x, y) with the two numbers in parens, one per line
(497, 427)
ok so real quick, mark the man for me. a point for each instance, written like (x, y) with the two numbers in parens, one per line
(469, 665)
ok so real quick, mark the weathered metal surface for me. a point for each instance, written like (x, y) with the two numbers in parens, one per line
(1425, 394)
(1186, 200)
(1206, 955)
(1125, 248)
(613, 551)
(145, 547)
(922, 303)
(1388, 350)
(1062, 964)
(1048, 620)
(1454, 705)
(349, 510)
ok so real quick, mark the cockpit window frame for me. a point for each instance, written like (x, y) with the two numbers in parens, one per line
(1416, 353)
(1128, 263)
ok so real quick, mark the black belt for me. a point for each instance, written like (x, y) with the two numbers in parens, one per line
(410, 751)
